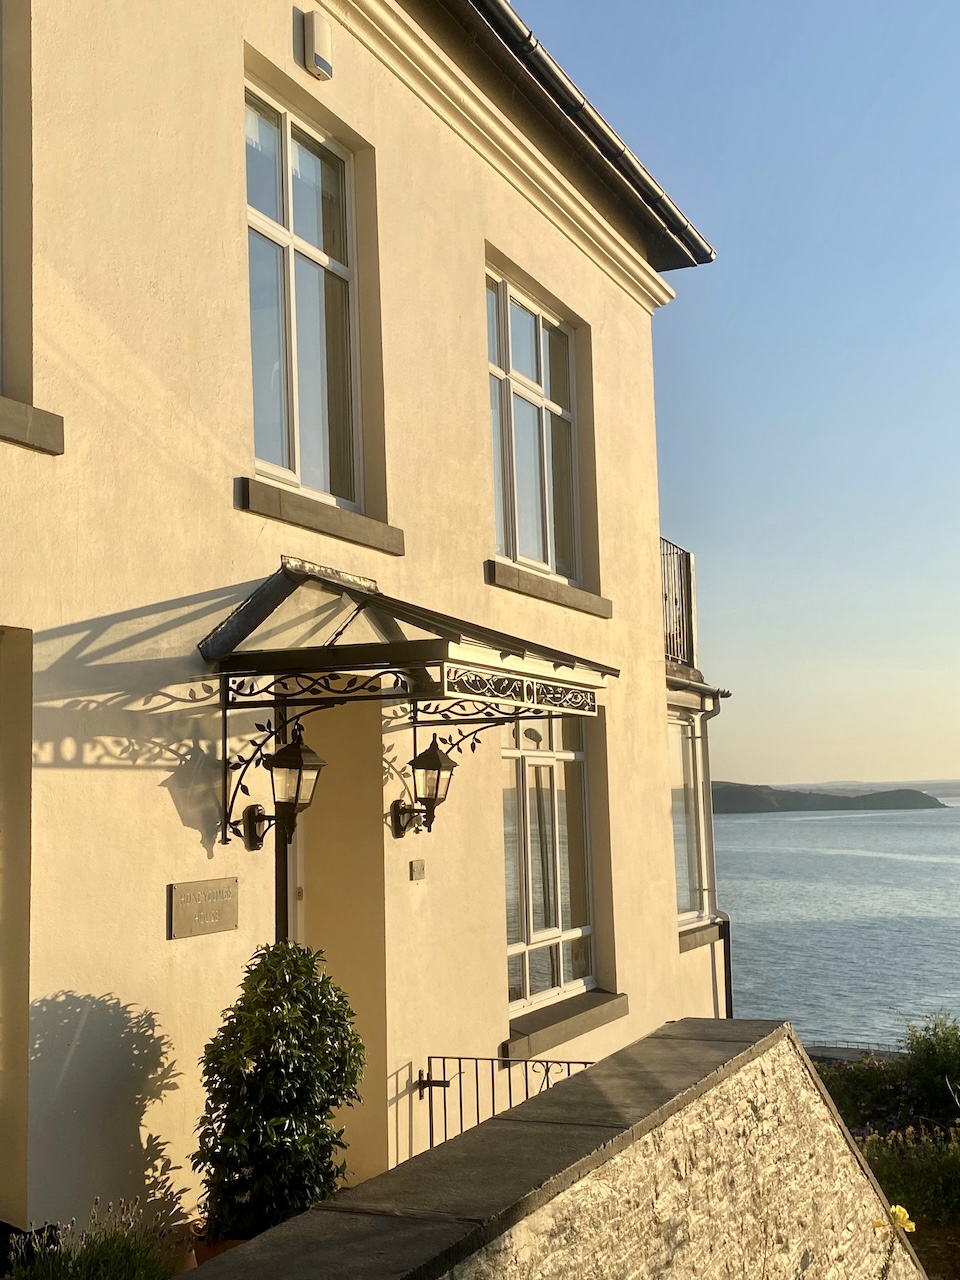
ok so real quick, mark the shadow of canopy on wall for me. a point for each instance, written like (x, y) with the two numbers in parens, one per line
(129, 690)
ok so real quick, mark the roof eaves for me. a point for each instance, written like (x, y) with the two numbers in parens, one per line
(521, 42)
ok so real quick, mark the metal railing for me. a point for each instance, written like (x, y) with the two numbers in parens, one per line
(463, 1092)
(678, 618)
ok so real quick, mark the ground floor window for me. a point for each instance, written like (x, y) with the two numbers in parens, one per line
(549, 920)
(690, 844)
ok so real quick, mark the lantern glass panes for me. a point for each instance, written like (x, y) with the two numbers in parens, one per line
(432, 771)
(294, 771)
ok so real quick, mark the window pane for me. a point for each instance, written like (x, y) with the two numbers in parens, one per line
(577, 959)
(523, 341)
(571, 837)
(263, 159)
(568, 733)
(685, 834)
(534, 737)
(311, 345)
(528, 453)
(343, 469)
(319, 204)
(561, 458)
(267, 342)
(556, 365)
(542, 872)
(515, 978)
(323, 381)
(544, 969)
(508, 736)
(493, 325)
(498, 480)
(512, 852)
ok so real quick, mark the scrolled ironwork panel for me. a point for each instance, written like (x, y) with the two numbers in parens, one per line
(517, 690)
(243, 691)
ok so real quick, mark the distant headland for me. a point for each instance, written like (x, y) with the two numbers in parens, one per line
(740, 797)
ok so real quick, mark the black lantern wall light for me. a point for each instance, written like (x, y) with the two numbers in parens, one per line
(432, 771)
(294, 771)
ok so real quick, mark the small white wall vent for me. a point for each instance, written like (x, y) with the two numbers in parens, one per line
(318, 45)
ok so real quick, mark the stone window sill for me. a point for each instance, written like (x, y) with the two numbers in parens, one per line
(700, 935)
(533, 1033)
(513, 578)
(30, 427)
(277, 503)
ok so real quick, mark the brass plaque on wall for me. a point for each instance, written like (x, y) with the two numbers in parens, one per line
(203, 906)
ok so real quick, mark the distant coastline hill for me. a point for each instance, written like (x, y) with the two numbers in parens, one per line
(740, 797)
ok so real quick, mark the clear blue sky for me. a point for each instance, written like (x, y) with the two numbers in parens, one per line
(808, 381)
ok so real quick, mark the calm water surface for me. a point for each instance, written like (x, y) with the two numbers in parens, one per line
(848, 924)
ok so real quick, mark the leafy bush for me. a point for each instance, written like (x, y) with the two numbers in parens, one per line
(932, 1059)
(919, 1167)
(869, 1094)
(876, 1094)
(285, 1058)
(118, 1245)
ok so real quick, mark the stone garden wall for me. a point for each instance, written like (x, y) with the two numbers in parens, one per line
(755, 1178)
(705, 1151)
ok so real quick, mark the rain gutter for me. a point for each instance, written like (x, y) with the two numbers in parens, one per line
(551, 77)
(696, 686)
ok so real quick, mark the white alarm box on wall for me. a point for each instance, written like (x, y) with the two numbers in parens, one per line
(318, 45)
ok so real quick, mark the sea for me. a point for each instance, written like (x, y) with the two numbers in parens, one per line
(847, 924)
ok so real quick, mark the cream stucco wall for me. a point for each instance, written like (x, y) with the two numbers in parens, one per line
(124, 552)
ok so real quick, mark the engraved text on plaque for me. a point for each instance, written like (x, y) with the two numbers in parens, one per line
(203, 906)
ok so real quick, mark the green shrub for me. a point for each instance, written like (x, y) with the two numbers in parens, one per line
(919, 1167)
(869, 1094)
(284, 1060)
(913, 1089)
(932, 1059)
(117, 1245)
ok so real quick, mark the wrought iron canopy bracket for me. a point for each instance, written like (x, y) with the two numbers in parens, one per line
(436, 694)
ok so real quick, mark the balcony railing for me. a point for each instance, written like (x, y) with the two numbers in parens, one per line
(678, 608)
(463, 1092)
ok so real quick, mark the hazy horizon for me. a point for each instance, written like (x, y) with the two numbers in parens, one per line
(808, 381)
(920, 784)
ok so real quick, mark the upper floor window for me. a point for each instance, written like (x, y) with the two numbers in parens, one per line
(549, 921)
(301, 304)
(534, 447)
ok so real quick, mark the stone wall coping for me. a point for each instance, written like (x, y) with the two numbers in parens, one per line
(421, 1218)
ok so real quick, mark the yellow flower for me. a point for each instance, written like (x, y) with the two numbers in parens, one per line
(900, 1216)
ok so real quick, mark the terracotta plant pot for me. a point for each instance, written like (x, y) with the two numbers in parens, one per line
(188, 1262)
(205, 1250)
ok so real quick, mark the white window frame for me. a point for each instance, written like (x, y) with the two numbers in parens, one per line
(693, 723)
(282, 235)
(511, 380)
(524, 757)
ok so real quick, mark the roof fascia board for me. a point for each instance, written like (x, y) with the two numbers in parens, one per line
(313, 659)
(395, 40)
(475, 655)
(500, 642)
(248, 615)
(523, 44)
